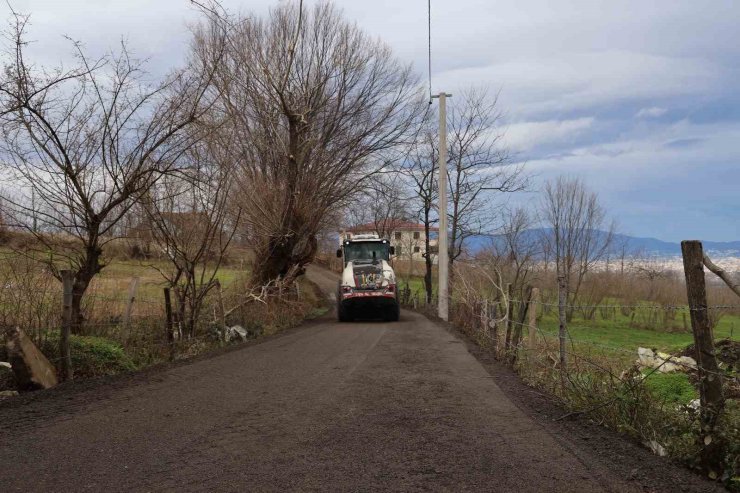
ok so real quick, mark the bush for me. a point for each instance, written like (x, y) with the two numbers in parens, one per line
(91, 356)
(671, 387)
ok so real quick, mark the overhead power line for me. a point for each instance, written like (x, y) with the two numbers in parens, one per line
(429, 34)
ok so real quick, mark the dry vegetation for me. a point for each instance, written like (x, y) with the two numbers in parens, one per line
(616, 311)
(31, 298)
(268, 128)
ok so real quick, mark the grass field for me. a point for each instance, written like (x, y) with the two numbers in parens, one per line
(115, 279)
(30, 297)
(619, 331)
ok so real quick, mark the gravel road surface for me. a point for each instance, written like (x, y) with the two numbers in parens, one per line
(330, 406)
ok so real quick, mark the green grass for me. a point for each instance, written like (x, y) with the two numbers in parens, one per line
(415, 283)
(671, 387)
(91, 356)
(618, 333)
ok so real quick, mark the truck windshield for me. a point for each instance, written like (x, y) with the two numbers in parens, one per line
(365, 250)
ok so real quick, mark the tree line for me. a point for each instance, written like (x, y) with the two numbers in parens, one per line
(275, 130)
(271, 125)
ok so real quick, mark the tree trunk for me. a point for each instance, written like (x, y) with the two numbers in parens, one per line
(278, 257)
(428, 259)
(82, 277)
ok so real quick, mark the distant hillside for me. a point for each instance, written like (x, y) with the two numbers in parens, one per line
(646, 246)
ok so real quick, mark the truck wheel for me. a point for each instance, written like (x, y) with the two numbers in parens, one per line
(342, 314)
(393, 314)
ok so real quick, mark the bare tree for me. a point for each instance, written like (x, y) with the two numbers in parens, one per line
(477, 166)
(516, 248)
(382, 201)
(578, 234)
(316, 103)
(84, 145)
(420, 168)
(193, 225)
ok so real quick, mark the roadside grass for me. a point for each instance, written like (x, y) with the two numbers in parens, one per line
(416, 285)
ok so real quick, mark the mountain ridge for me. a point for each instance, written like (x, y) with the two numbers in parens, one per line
(633, 244)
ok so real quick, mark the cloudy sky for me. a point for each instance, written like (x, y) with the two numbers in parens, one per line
(641, 99)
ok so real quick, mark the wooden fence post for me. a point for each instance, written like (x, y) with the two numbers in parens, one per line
(170, 335)
(484, 316)
(710, 381)
(509, 315)
(494, 315)
(517, 337)
(563, 329)
(533, 318)
(64, 349)
(130, 302)
(220, 311)
(179, 315)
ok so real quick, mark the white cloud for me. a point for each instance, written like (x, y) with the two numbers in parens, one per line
(588, 76)
(528, 135)
(576, 81)
(656, 189)
(652, 112)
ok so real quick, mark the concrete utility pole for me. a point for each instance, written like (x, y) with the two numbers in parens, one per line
(443, 258)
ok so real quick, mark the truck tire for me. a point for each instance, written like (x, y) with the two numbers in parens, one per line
(343, 314)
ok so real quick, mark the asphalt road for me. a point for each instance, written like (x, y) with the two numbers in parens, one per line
(357, 406)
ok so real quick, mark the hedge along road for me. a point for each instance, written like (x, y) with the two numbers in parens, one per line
(329, 406)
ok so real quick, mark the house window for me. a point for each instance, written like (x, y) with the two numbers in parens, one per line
(416, 249)
(416, 235)
(398, 236)
(399, 250)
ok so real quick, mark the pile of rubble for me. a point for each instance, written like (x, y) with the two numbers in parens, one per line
(664, 362)
(728, 357)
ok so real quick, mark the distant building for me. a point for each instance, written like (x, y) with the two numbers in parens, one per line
(407, 237)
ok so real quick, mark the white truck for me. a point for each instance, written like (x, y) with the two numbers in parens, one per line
(368, 285)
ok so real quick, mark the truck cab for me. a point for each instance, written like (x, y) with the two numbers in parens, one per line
(368, 285)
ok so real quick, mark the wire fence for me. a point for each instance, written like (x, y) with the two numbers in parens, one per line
(615, 383)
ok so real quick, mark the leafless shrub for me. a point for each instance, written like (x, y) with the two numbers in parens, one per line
(29, 296)
(576, 235)
(478, 165)
(193, 225)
